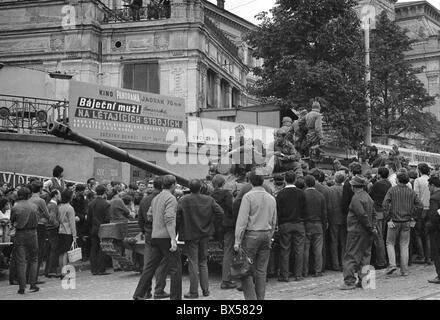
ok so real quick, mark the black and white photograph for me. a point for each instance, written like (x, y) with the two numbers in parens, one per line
(222, 153)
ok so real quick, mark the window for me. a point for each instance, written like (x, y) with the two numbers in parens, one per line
(227, 118)
(433, 85)
(141, 77)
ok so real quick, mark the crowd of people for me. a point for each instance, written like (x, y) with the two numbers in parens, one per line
(377, 212)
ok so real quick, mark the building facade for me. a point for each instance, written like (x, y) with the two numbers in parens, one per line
(190, 49)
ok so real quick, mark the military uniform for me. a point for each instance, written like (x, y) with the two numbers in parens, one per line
(291, 159)
(314, 127)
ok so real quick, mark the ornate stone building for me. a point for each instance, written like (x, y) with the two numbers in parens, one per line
(186, 48)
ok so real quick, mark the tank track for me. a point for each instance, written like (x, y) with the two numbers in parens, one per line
(110, 248)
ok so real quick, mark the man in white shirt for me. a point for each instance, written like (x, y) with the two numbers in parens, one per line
(421, 187)
(392, 178)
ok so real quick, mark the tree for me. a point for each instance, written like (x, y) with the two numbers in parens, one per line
(314, 48)
(398, 97)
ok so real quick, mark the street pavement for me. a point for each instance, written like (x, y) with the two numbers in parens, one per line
(121, 285)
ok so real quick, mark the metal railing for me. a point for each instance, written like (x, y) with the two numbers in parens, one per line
(156, 10)
(30, 115)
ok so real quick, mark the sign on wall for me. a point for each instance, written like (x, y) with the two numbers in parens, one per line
(107, 169)
(109, 113)
(14, 179)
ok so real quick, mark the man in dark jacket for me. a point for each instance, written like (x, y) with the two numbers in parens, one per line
(315, 223)
(224, 198)
(24, 216)
(291, 211)
(195, 224)
(98, 213)
(377, 193)
(144, 289)
(80, 204)
(434, 225)
(360, 229)
(325, 191)
(52, 235)
(337, 223)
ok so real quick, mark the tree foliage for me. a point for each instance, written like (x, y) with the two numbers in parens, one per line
(314, 48)
(399, 98)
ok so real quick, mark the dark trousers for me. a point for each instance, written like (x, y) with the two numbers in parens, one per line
(435, 249)
(13, 276)
(97, 257)
(357, 255)
(422, 238)
(338, 239)
(292, 236)
(26, 254)
(379, 244)
(314, 242)
(42, 237)
(228, 249)
(160, 274)
(51, 251)
(160, 249)
(256, 244)
(197, 253)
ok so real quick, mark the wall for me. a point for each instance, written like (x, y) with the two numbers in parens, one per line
(37, 155)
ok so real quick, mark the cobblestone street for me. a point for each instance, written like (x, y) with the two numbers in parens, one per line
(121, 285)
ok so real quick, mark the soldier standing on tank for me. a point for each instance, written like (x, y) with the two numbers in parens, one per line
(314, 126)
(299, 132)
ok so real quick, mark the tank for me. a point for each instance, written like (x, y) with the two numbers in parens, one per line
(115, 237)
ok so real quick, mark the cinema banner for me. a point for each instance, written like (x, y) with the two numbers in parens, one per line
(109, 113)
(14, 179)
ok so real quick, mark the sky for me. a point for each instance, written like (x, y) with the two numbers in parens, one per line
(247, 9)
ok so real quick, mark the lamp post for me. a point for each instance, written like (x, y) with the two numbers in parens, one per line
(368, 19)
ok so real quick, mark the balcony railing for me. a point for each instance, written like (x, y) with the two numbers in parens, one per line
(28, 115)
(154, 11)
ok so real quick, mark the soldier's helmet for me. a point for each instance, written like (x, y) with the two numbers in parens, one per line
(280, 133)
(287, 121)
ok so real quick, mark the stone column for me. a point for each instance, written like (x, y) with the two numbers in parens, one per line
(217, 92)
(228, 103)
(203, 70)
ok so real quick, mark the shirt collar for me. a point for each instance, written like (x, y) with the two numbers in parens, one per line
(53, 202)
(290, 186)
(311, 188)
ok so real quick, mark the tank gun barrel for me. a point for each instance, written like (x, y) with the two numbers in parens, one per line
(62, 131)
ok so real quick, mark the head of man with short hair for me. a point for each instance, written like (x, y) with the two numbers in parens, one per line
(157, 183)
(57, 172)
(66, 196)
(101, 190)
(255, 179)
(355, 168)
(434, 182)
(55, 195)
(70, 185)
(310, 181)
(290, 177)
(218, 181)
(127, 199)
(383, 172)
(403, 178)
(195, 185)
(36, 186)
(168, 182)
(424, 169)
(339, 177)
(23, 194)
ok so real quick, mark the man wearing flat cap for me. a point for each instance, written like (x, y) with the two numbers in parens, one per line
(360, 230)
